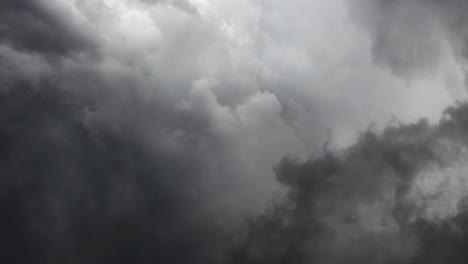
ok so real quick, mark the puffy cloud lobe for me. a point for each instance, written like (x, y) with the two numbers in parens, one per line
(414, 38)
(33, 26)
(367, 204)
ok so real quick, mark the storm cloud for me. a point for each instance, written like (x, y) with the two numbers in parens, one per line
(72, 192)
(235, 131)
(33, 26)
(394, 197)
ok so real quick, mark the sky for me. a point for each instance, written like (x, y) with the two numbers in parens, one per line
(233, 131)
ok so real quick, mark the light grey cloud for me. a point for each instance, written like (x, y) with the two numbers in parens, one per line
(414, 38)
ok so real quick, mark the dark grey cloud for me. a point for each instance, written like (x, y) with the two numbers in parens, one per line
(147, 132)
(100, 164)
(33, 26)
(354, 206)
(92, 171)
(75, 189)
(78, 192)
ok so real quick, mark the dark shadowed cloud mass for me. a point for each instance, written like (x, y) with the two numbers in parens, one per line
(233, 131)
(372, 202)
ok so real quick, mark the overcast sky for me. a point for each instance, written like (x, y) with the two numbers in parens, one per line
(174, 119)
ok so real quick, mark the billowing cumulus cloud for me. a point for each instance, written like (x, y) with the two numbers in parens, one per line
(149, 130)
(394, 197)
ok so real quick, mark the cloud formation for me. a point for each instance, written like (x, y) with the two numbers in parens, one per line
(389, 198)
(34, 26)
(73, 192)
(148, 131)
(414, 37)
